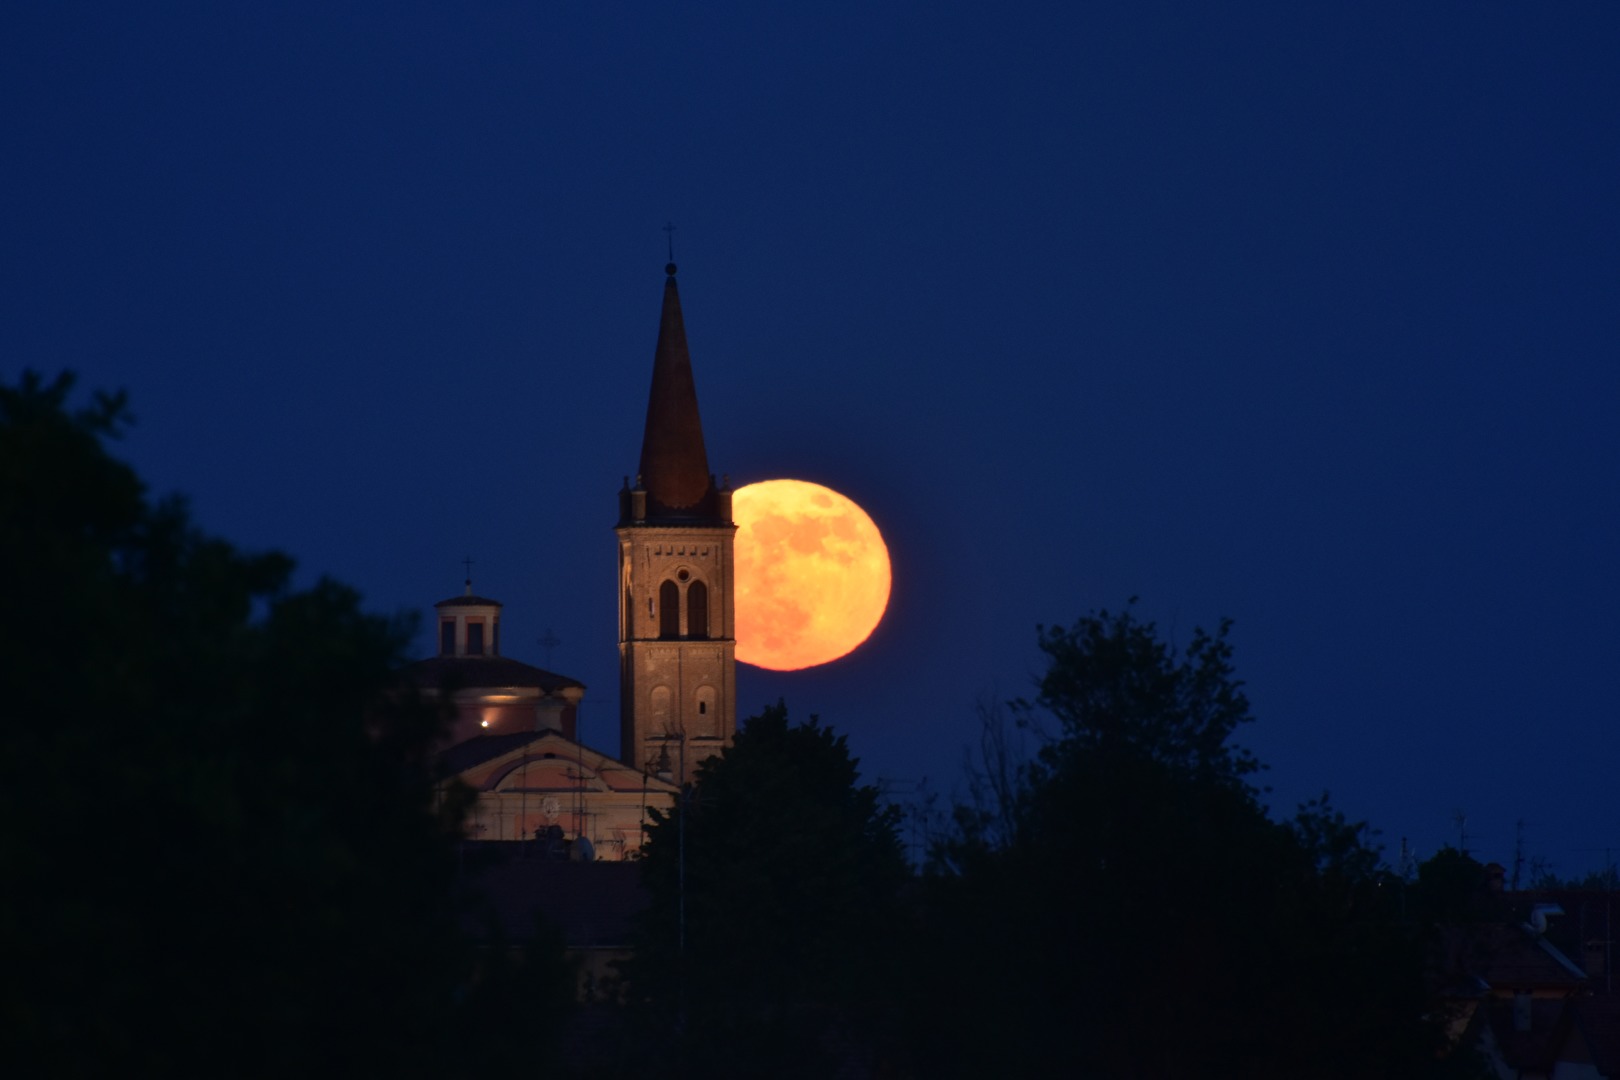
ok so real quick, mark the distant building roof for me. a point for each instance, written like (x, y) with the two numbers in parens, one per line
(481, 748)
(1510, 957)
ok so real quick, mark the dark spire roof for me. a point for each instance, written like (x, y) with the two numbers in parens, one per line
(674, 464)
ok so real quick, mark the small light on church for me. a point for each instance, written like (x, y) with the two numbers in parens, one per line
(483, 723)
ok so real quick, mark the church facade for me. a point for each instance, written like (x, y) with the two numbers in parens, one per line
(514, 740)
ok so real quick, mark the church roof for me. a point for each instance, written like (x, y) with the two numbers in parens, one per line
(470, 672)
(475, 751)
(674, 463)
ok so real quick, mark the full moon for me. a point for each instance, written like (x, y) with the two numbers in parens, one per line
(812, 574)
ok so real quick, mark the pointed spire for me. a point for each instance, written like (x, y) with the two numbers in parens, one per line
(674, 463)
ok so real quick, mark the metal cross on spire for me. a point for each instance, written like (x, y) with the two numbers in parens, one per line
(468, 563)
(669, 231)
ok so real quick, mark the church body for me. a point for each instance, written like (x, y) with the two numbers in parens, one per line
(514, 737)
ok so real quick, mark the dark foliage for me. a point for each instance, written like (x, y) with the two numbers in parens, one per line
(1117, 692)
(1129, 909)
(1453, 889)
(221, 847)
(1605, 879)
(792, 872)
(514, 1016)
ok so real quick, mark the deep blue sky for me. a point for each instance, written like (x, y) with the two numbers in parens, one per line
(1302, 314)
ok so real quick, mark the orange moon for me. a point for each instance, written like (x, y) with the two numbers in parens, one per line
(812, 574)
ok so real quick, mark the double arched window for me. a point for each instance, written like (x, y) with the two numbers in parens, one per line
(670, 622)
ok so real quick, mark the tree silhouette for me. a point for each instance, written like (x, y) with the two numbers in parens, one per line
(792, 870)
(218, 831)
(1130, 908)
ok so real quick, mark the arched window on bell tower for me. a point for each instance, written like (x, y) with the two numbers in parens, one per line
(697, 610)
(669, 610)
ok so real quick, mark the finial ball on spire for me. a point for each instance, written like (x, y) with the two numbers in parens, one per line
(669, 268)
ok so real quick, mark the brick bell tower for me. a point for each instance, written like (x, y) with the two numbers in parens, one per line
(677, 638)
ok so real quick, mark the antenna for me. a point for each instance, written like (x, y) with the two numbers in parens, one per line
(1461, 820)
(523, 822)
(579, 773)
(548, 642)
(669, 231)
(1518, 851)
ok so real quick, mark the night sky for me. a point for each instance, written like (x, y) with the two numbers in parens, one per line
(1301, 314)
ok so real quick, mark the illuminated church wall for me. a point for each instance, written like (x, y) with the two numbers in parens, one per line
(553, 780)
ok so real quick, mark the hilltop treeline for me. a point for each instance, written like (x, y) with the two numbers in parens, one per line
(1116, 904)
(224, 854)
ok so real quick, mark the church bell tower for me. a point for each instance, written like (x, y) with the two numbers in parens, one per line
(677, 639)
